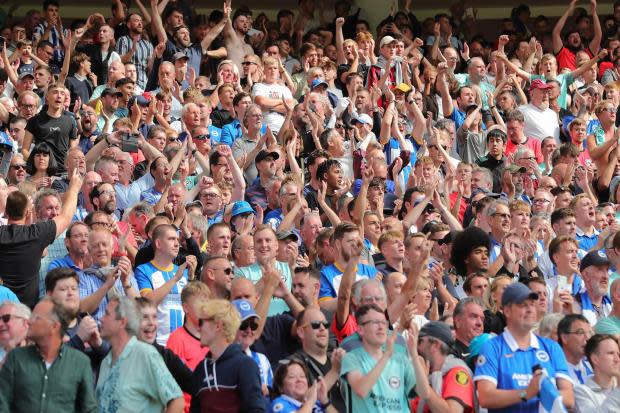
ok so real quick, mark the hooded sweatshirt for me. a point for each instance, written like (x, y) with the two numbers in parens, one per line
(228, 384)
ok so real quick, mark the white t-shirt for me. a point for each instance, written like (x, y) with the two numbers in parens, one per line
(540, 123)
(274, 91)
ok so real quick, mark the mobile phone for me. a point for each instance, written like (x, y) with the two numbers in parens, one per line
(129, 142)
(563, 284)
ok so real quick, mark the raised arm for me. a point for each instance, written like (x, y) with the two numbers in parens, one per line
(595, 43)
(443, 89)
(216, 30)
(587, 65)
(343, 306)
(69, 205)
(157, 26)
(556, 34)
(340, 57)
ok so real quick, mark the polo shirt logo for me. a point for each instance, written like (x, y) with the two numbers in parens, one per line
(277, 407)
(542, 356)
(481, 360)
(394, 382)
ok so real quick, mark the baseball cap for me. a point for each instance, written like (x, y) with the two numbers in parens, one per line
(517, 293)
(282, 235)
(111, 91)
(318, 82)
(403, 87)
(364, 119)
(23, 75)
(386, 40)
(241, 207)
(262, 155)
(245, 309)
(594, 258)
(539, 84)
(437, 330)
(179, 55)
(513, 169)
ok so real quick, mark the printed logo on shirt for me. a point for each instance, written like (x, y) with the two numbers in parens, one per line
(462, 378)
(277, 407)
(481, 360)
(394, 382)
(542, 356)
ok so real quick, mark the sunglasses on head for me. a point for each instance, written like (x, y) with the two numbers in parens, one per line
(251, 322)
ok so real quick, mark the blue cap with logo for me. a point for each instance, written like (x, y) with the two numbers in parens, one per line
(245, 309)
(595, 258)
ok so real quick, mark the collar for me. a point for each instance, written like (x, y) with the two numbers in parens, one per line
(79, 77)
(512, 343)
(596, 388)
(580, 232)
(294, 402)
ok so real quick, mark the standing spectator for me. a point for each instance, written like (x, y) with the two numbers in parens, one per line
(227, 380)
(54, 126)
(509, 382)
(52, 31)
(47, 375)
(274, 98)
(375, 372)
(133, 366)
(135, 48)
(23, 243)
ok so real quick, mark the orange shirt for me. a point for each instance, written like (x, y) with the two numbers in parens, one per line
(457, 385)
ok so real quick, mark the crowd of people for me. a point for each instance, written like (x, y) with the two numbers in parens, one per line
(232, 213)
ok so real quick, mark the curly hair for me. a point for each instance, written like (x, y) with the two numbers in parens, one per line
(464, 243)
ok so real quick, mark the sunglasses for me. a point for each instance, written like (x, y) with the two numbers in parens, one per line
(339, 125)
(317, 324)
(20, 166)
(202, 137)
(248, 63)
(7, 317)
(227, 271)
(252, 323)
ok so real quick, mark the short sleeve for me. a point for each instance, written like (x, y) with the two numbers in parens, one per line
(326, 290)
(163, 385)
(458, 385)
(350, 362)
(487, 367)
(143, 279)
(559, 360)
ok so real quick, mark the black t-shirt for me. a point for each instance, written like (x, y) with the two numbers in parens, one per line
(316, 370)
(276, 342)
(20, 260)
(56, 132)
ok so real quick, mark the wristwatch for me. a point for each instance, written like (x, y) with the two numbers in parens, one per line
(523, 395)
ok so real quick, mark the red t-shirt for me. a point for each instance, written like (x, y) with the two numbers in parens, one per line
(532, 143)
(349, 328)
(462, 207)
(566, 58)
(457, 385)
(188, 348)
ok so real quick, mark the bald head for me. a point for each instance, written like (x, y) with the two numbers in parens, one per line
(243, 288)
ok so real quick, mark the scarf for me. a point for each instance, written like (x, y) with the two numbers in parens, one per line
(588, 310)
(398, 72)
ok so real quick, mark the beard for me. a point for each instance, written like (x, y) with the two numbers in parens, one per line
(109, 207)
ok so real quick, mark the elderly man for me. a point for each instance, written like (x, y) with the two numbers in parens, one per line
(133, 364)
(509, 382)
(468, 324)
(594, 303)
(102, 277)
(57, 377)
(611, 323)
(14, 321)
(540, 121)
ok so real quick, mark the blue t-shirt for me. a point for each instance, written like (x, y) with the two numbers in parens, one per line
(286, 404)
(331, 276)
(503, 363)
(169, 311)
(7, 295)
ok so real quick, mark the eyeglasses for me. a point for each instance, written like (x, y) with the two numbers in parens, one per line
(541, 201)
(201, 321)
(105, 224)
(315, 325)
(202, 137)
(531, 158)
(29, 107)
(339, 125)
(209, 195)
(445, 148)
(376, 323)
(372, 299)
(19, 166)
(252, 323)
(248, 63)
(172, 139)
(107, 193)
(581, 332)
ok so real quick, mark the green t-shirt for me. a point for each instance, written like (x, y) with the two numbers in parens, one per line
(391, 391)
(608, 325)
(565, 80)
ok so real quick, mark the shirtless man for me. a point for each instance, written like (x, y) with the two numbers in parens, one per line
(234, 35)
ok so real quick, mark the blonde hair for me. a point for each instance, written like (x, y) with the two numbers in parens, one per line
(488, 294)
(195, 289)
(226, 313)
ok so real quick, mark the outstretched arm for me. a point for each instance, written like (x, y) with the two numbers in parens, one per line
(595, 44)
(556, 34)
(158, 26)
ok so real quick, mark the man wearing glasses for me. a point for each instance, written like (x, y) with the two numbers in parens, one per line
(380, 377)
(17, 170)
(217, 274)
(574, 330)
